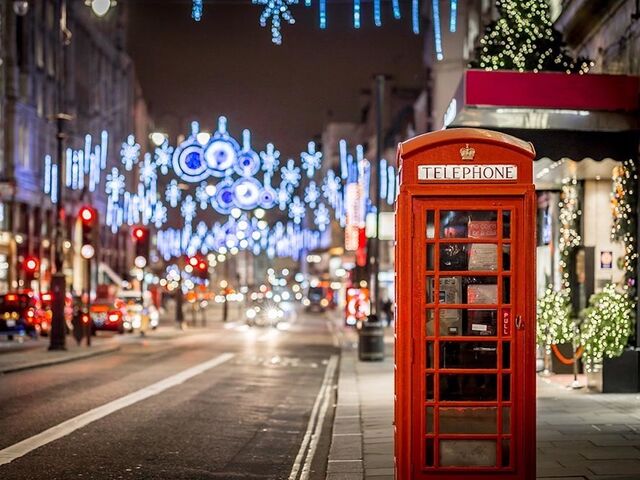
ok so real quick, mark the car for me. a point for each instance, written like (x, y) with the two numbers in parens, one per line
(139, 310)
(20, 315)
(108, 315)
(316, 300)
(264, 313)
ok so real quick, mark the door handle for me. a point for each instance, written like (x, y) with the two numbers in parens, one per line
(519, 322)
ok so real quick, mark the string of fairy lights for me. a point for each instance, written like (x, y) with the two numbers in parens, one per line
(569, 218)
(555, 324)
(623, 200)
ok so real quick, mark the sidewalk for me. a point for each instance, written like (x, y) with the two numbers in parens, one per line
(581, 435)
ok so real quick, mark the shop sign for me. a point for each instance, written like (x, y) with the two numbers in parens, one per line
(606, 259)
(467, 172)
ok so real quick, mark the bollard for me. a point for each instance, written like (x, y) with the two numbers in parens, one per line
(371, 341)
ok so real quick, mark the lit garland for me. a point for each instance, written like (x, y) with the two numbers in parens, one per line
(569, 217)
(523, 39)
(554, 322)
(623, 200)
(277, 12)
(607, 325)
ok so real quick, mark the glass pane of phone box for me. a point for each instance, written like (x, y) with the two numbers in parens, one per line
(468, 453)
(468, 224)
(482, 387)
(478, 323)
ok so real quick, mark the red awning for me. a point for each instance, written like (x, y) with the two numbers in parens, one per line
(563, 115)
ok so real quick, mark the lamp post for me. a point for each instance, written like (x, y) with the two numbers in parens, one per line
(58, 282)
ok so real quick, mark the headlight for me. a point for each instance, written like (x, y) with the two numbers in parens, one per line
(251, 313)
(272, 314)
(324, 302)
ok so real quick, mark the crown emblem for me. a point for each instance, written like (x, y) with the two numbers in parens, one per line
(467, 152)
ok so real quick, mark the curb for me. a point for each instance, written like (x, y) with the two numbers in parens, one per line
(55, 361)
(346, 459)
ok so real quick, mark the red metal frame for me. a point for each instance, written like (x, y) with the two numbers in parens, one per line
(411, 403)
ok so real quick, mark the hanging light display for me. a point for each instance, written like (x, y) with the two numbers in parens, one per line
(214, 174)
(275, 13)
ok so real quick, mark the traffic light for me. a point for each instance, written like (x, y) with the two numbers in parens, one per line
(88, 220)
(30, 266)
(200, 267)
(141, 240)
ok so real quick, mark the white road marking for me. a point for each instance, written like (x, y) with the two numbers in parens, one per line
(63, 429)
(314, 427)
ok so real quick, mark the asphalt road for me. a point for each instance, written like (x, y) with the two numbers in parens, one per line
(229, 403)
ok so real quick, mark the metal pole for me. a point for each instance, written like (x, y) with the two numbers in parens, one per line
(374, 257)
(58, 282)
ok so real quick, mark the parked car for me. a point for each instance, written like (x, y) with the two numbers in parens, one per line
(20, 315)
(109, 315)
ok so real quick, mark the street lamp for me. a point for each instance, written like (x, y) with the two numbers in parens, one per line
(20, 7)
(100, 7)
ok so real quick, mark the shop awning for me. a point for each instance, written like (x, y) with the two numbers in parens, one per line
(564, 116)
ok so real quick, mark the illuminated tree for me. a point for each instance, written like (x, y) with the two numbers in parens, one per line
(523, 39)
(554, 322)
(607, 325)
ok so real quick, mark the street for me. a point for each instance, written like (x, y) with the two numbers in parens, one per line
(245, 417)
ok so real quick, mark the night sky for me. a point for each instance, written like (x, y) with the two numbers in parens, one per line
(227, 65)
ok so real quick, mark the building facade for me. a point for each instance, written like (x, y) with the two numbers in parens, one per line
(94, 82)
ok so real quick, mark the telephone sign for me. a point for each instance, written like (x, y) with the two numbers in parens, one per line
(465, 269)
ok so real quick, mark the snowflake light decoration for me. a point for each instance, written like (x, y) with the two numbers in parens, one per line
(311, 159)
(188, 209)
(331, 188)
(290, 175)
(173, 194)
(130, 153)
(276, 11)
(115, 184)
(283, 197)
(162, 157)
(321, 217)
(159, 216)
(296, 210)
(270, 159)
(312, 194)
(148, 173)
(202, 196)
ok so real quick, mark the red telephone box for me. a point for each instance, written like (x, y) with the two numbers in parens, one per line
(465, 390)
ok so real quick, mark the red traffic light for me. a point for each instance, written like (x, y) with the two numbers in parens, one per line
(202, 265)
(87, 214)
(31, 264)
(139, 234)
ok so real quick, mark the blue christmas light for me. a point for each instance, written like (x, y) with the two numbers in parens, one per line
(275, 11)
(453, 16)
(415, 16)
(377, 13)
(396, 9)
(323, 13)
(196, 10)
(356, 13)
(436, 29)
